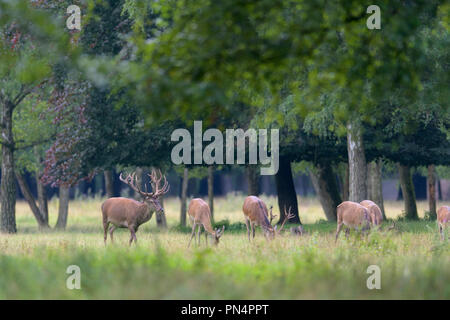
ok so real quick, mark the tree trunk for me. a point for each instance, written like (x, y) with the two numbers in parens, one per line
(346, 184)
(42, 197)
(184, 186)
(211, 190)
(109, 183)
(63, 210)
(324, 182)
(374, 185)
(286, 190)
(408, 192)
(42, 223)
(431, 182)
(8, 183)
(252, 173)
(41, 192)
(356, 162)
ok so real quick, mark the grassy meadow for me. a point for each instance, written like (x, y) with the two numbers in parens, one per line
(414, 263)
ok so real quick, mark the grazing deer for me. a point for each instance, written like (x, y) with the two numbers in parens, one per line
(255, 213)
(352, 215)
(129, 213)
(443, 219)
(200, 215)
(376, 217)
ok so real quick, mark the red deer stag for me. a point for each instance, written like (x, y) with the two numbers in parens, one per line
(352, 215)
(129, 213)
(443, 219)
(255, 213)
(200, 215)
(376, 217)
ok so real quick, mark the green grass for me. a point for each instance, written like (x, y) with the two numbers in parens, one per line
(414, 263)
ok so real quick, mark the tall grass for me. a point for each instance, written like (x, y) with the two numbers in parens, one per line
(414, 262)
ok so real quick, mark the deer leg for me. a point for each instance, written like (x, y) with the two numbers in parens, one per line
(105, 228)
(441, 231)
(192, 234)
(199, 233)
(347, 232)
(111, 230)
(133, 235)
(253, 230)
(248, 230)
(206, 237)
(339, 228)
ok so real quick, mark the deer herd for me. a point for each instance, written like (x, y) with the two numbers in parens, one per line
(128, 213)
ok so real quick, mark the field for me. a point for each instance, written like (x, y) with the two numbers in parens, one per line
(414, 263)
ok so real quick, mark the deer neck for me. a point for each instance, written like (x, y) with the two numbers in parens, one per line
(208, 227)
(147, 212)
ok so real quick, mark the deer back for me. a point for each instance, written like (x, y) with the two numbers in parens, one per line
(256, 211)
(443, 214)
(376, 217)
(124, 211)
(352, 214)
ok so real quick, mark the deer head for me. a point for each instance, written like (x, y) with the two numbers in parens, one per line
(217, 234)
(287, 215)
(149, 198)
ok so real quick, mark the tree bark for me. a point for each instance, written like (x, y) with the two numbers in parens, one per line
(286, 190)
(374, 185)
(356, 162)
(211, 190)
(184, 186)
(346, 184)
(409, 195)
(431, 182)
(41, 192)
(109, 183)
(63, 210)
(252, 173)
(8, 183)
(42, 223)
(324, 182)
(42, 198)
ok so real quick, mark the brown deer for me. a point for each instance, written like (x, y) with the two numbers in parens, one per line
(256, 214)
(200, 215)
(443, 219)
(376, 217)
(129, 213)
(353, 216)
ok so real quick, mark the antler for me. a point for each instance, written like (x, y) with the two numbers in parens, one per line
(287, 215)
(155, 181)
(271, 216)
(130, 180)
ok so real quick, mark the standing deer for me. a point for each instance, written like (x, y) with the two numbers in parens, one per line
(129, 213)
(200, 215)
(376, 217)
(255, 213)
(443, 218)
(352, 215)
